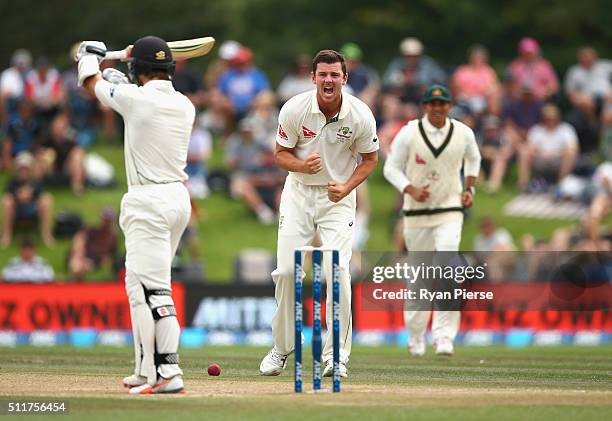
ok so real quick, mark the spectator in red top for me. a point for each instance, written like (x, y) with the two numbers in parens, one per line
(44, 88)
(94, 247)
(475, 83)
(529, 68)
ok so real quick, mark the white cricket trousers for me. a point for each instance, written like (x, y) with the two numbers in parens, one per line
(303, 209)
(443, 237)
(153, 218)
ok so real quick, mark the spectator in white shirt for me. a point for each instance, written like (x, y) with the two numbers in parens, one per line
(27, 267)
(587, 83)
(296, 81)
(12, 83)
(551, 150)
(494, 246)
(588, 86)
(492, 238)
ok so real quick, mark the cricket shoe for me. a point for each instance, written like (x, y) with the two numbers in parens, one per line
(134, 380)
(273, 363)
(172, 385)
(416, 346)
(444, 346)
(329, 369)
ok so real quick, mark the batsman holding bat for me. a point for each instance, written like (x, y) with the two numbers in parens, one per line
(156, 208)
(321, 134)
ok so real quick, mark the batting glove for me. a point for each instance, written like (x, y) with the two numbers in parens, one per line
(98, 49)
(89, 62)
(88, 66)
(114, 76)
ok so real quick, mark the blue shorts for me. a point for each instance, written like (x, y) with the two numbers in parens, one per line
(27, 211)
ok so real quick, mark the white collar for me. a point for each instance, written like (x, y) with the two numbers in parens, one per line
(430, 128)
(344, 108)
(160, 85)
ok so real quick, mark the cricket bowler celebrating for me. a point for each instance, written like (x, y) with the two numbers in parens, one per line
(321, 133)
(425, 164)
(156, 208)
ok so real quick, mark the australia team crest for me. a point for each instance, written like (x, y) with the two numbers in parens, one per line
(344, 134)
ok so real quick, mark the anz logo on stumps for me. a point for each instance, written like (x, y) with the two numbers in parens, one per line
(317, 267)
(298, 314)
(298, 372)
(317, 307)
(336, 313)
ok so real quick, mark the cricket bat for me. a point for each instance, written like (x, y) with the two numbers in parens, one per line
(181, 50)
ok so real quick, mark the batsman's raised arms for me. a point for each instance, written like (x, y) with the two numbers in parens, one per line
(181, 50)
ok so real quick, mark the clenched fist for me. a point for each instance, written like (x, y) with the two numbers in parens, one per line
(467, 199)
(312, 163)
(420, 194)
(336, 191)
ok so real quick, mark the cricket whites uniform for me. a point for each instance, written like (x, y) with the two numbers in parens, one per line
(305, 205)
(154, 212)
(421, 154)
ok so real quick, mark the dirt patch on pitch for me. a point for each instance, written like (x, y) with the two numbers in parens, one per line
(14, 384)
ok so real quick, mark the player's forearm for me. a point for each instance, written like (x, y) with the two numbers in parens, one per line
(289, 162)
(395, 176)
(470, 181)
(90, 84)
(362, 171)
(471, 167)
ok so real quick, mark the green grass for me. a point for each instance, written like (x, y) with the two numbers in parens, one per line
(226, 226)
(477, 383)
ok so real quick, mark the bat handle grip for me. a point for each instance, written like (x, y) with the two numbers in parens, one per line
(96, 50)
(108, 55)
(116, 55)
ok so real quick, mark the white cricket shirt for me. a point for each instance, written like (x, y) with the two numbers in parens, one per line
(339, 141)
(158, 122)
(435, 160)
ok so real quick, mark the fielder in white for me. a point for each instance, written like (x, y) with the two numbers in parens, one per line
(321, 135)
(425, 164)
(156, 208)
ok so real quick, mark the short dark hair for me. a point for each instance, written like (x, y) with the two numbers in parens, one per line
(329, 57)
(26, 242)
(158, 74)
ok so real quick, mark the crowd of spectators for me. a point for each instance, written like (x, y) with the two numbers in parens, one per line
(526, 120)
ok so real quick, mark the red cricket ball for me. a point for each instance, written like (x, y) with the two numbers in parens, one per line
(214, 369)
